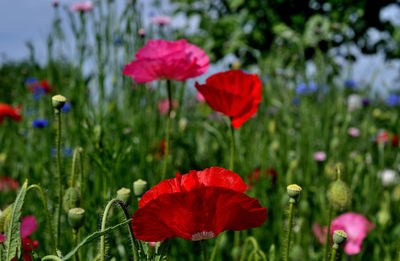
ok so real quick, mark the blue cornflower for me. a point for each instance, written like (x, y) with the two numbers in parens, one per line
(392, 100)
(37, 93)
(301, 88)
(66, 107)
(66, 151)
(30, 80)
(312, 87)
(118, 41)
(40, 123)
(245, 71)
(350, 83)
(296, 100)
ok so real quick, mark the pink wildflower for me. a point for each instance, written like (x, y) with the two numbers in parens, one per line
(319, 156)
(82, 7)
(161, 20)
(354, 132)
(163, 106)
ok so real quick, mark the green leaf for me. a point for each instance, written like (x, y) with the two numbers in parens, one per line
(13, 240)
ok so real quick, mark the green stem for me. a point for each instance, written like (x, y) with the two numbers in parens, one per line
(334, 251)
(232, 161)
(46, 209)
(75, 239)
(166, 152)
(289, 230)
(135, 245)
(246, 243)
(58, 145)
(326, 246)
(203, 250)
(73, 167)
(214, 252)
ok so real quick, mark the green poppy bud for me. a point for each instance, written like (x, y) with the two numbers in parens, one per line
(71, 199)
(76, 217)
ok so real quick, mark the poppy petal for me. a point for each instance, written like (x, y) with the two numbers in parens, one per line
(28, 226)
(214, 176)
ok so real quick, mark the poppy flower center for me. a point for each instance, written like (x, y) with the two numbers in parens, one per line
(203, 235)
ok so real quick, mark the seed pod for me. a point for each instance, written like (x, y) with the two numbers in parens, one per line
(58, 102)
(339, 237)
(124, 194)
(294, 191)
(76, 217)
(139, 187)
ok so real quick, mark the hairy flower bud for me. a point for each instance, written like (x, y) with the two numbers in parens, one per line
(339, 195)
(71, 199)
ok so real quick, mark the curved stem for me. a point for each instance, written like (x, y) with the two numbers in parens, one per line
(58, 145)
(48, 218)
(289, 230)
(168, 129)
(135, 245)
(326, 246)
(246, 242)
(51, 257)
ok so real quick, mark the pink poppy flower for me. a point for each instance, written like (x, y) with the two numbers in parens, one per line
(354, 132)
(173, 60)
(28, 226)
(355, 225)
(82, 7)
(161, 20)
(8, 183)
(319, 156)
(163, 106)
(200, 97)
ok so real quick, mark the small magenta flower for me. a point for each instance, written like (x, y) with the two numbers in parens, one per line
(354, 132)
(163, 106)
(161, 20)
(200, 97)
(319, 156)
(40, 123)
(82, 7)
(141, 32)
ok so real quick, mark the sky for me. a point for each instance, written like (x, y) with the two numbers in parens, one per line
(30, 20)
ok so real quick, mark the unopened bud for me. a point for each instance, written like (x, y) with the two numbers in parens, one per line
(71, 199)
(123, 194)
(76, 217)
(139, 187)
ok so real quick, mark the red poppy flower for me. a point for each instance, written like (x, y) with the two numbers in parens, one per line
(254, 176)
(234, 93)
(173, 60)
(195, 206)
(28, 226)
(395, 140)
(383, 136)
(8, 183)
(43, 85)
(7, 110)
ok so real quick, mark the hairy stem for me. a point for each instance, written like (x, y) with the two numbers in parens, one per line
(334, 251)
(326, 246)
(58, 148)
(289, 230)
